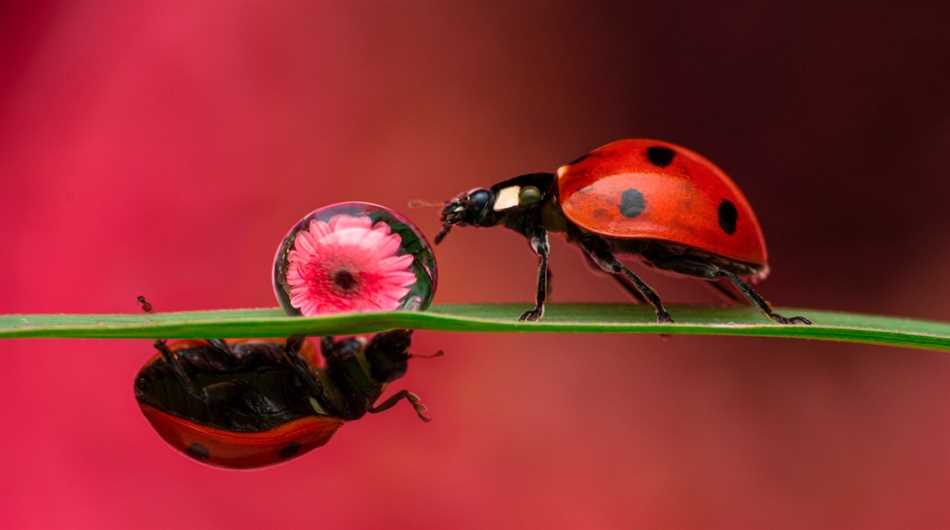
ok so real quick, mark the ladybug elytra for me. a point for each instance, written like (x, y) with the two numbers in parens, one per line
(254, 402)
(667, 205)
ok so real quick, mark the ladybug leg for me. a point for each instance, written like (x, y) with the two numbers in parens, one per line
(631, 289)
(220, 346)
(172, 360)
(539, 244)
(300, 366)
(599, 252)
(353, 389)
(621, 281)
(220, 355)
(399, 396)
(724, 293)
(757, 299)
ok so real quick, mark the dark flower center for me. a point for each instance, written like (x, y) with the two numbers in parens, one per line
(344, 280)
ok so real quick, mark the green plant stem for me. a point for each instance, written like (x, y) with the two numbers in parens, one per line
(571, 318)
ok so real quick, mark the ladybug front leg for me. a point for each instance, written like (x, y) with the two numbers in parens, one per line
(413, 400)
(540, 246)
(757, 299)
(600, 253)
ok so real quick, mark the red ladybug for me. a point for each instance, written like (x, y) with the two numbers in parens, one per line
(254, 402)
(666, 204)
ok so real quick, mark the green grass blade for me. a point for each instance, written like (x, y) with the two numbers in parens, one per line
(576, 318)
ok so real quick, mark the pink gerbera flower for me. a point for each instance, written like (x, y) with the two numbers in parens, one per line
(347, 264)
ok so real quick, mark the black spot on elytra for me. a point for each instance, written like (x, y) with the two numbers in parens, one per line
(632, 203)
(660, 156)
(728, 215)
(289, 450)
(198, 451)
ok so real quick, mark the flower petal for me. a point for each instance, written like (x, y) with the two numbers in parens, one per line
(319, 229)
(388, 246)
(343, 221)
(304, 244)
(355, 237)
(382, 227)
(371, 252)
(402, 279)
(394, 263)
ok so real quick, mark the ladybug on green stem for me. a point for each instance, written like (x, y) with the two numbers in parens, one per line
(246, 403)
(666, 204)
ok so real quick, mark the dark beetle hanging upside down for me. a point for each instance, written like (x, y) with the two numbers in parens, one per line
(673, 208)
(255, 402)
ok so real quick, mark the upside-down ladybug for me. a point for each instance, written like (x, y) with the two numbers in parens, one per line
(666, 204)
(254, 402)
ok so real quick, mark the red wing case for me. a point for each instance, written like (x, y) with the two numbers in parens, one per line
(648, 189)
(242, 450)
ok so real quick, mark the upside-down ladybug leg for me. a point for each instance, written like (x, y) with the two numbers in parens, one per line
(172, 360)
(353, 389)
(300, 366)
(220, 346)
(220, 355)
(757, 299)
(599, 251)
(539, 244)
(399, 396)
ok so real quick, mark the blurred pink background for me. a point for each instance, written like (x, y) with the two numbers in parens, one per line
(164, 151)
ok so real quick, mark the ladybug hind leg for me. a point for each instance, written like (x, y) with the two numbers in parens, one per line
(760, 302)
(622, 281)
(601, 255)
(724, 293)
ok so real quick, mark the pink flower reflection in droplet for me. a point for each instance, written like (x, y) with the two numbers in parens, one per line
(347, 264)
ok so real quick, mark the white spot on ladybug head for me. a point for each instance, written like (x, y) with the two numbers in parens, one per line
(561, 171)
(506, 198)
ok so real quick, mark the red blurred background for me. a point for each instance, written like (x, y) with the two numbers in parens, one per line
(164, 150)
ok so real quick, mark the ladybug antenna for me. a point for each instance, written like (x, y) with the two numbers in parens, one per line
(146, 306)
(439, 353)
(422, 203)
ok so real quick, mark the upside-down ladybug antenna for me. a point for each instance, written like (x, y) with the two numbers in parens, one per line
(439, 353)
(144, 303)
(161, 344)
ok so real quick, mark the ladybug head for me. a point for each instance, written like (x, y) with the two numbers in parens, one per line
(472, 208)
(503, 203)
(387, 356)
